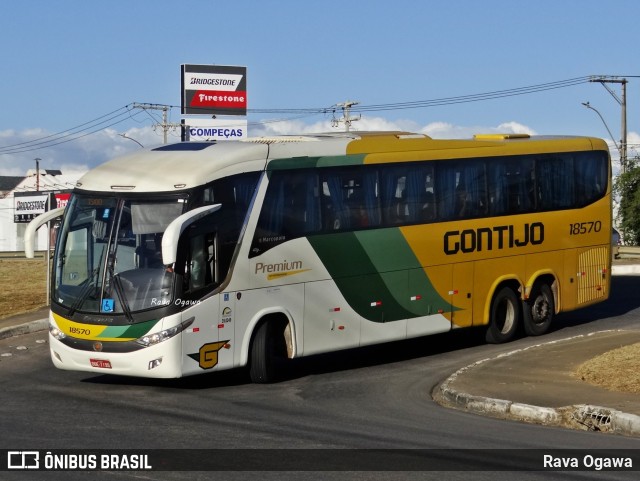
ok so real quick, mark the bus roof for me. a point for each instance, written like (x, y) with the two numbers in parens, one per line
(184, 165)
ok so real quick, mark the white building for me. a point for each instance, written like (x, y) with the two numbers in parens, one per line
(11, 232)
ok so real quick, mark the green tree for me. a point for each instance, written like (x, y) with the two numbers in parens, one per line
(627, 188)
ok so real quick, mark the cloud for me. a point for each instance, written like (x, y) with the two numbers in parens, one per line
(18, 148)
(439, 130)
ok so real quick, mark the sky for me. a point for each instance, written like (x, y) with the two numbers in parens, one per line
(66, 63)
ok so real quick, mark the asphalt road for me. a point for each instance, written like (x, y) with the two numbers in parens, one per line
(372, 398)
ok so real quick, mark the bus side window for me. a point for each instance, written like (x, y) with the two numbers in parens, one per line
(290, 209)
(300, 204)
(471, 189)
(555, 181)
(201, 269)
(407, 193)
(428, 213)
(200, 260)
(335, 201)
(446, 180)
(510, 186)
(350, 198)
(591, 177)
(196, 263)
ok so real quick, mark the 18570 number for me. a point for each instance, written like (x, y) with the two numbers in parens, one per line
(81, 331)
(585, 227)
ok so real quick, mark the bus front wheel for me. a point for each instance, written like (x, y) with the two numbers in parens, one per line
(268, 351)
(505, 316)
(539, 310)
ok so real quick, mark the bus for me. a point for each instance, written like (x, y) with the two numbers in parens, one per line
(196, 257)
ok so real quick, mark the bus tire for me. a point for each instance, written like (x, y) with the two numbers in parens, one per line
(539, 310)
(267, 352)
(505, 316)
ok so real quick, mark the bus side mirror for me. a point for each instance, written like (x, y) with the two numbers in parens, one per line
(34, 225)
(176, 228)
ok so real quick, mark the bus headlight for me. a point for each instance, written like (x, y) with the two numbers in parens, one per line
(56, 332)
(158, 337)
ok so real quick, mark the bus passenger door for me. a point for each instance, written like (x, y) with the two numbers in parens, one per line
(207, 341)
(201, 344)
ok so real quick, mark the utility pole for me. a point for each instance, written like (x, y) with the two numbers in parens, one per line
(37, 159)
(165, 124)
(346, 117)
(604, 80)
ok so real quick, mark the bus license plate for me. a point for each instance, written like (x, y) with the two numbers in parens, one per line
(102, 363)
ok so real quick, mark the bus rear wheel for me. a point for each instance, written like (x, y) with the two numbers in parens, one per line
(505, 316)
(268, 353)
(539, 311)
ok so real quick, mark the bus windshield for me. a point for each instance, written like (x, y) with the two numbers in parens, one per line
(109, 256)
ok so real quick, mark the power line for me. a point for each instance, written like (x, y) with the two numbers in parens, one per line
(429, 102)
(68, 131)
(442, 101)
(124, 113)
(91, 127)
(476, 97)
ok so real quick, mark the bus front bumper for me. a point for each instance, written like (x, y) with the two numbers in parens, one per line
(163, 360)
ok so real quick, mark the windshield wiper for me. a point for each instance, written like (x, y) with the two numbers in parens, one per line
(121, 297)
(84, 294)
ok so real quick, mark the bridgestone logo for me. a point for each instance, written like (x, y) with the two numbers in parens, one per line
(212, 81)
(31, 205)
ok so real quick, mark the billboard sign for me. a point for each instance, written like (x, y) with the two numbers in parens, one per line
(204, 130)
(214, 90)
(28, 207)
(62, 199)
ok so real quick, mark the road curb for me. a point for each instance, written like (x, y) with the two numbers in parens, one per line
(579, 416)
(26, 328)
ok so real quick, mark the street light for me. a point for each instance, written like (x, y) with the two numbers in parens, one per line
(130, 138)
(604, 80)
(588, 105)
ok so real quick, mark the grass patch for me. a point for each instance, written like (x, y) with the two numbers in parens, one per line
(23, 285)
(616, 370)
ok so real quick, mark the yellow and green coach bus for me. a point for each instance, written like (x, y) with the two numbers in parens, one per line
(196, 257)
